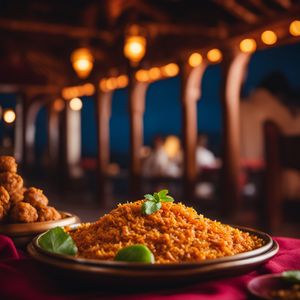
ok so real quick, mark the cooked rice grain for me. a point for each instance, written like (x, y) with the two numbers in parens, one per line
(175, 233)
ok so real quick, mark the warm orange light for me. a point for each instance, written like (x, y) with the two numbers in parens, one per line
(170, 70)
(214, 55)
(269, 37)
(111, 83)
(82, 61)
(248, 45)
(9, 116)
(195, 60)
(88, 89)
(122, 81)
(142, 76)
(76, 104)
(135, 48)
(103, 85)
(295, 28)
(58, 105)
(172, 146)
(154, 73)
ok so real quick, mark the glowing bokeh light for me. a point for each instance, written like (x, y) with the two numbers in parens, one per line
(295, 28)
(214, 55)
(9, 116)
(248, 45)
(269, 37)
(195, 60)
(76, 104)
(82, 61)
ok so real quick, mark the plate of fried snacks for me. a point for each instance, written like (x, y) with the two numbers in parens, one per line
(154, 238)
(25, 212)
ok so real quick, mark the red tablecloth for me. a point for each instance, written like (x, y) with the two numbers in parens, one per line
(22, 278)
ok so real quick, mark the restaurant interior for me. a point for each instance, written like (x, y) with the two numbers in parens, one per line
(102, 102)
(105, 101)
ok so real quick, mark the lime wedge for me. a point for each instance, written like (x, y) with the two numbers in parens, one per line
(135, 253)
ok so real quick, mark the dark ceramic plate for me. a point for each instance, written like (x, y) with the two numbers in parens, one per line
(262, 286)
(124, 273)
(268, 243)
(159, 274)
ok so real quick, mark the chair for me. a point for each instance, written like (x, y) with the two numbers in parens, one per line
(282, 152)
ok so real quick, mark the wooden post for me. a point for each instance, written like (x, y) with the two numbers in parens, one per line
(234, 68)
(103, 114)
(137, 99)
(191, 93)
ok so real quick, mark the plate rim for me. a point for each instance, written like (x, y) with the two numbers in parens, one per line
(109, 263)
(33, 228)
(133, 272)
(251, 282)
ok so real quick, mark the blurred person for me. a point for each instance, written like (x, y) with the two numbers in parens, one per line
(159, 163)
(173, 148)
(204, 157)
(156, 163)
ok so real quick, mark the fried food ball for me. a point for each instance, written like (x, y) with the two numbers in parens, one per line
(35, 197)
(4, 203)
(17, 196)
(48, 213)
(8, 164)
(12, 182)
(23, 212)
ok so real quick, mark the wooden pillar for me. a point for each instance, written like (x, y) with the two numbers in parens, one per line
(234, 68)
(103, 115)
(137, 99)
(191, 93)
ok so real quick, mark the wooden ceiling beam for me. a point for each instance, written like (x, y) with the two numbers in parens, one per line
(75, 32)
(116, 8)
(286, 4)
(238, 11)
(262, 7)
(155, 29)
(35, 89)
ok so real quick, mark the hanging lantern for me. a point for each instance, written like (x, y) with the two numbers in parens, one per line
(82, 61)
(135, 45)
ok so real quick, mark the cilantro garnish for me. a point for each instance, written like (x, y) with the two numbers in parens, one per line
(153, 202)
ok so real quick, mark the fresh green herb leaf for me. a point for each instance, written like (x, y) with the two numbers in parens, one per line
(135, 253)
(163, 193)
(167, 199)
(149, 197)
(150, 207)
(56, 240)
(156, 197)
(153, 202)
(292, 276)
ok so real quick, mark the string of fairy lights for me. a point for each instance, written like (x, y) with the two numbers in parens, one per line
(135, 46)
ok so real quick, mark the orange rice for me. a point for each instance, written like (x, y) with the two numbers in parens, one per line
(175, 233)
